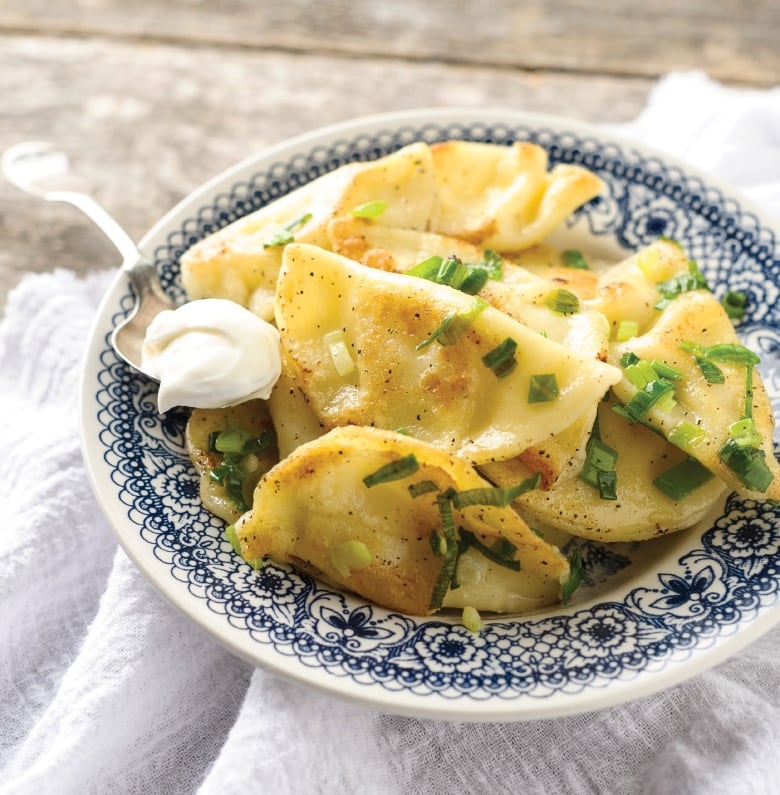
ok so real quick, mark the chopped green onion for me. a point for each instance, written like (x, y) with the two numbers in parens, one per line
(451, 552)
(636, 408)
(626, 330)
(426, 269)
(731, 353)
(285, 234)
(749, 392)
(629, 358)
(562, 301)
(452, 272)
(666, 401)
(599, 467)
(455, 324)
(686, 435)
(682, 283)
(735, 304)
(666, 371)
(349, 556)
(681, 480)
(748, 464)
(500, 556)
(256, 563)
(369, 210)
(475, 281)
(727, 352)
(422, 487)
(745, 433)
(396, 470)
(504, 548)
(231, 441)
(501, 359)
(239, 460)
(232, 536)
(339, 353)
(472, 619)
(607, 485)
(641, 373)
(494, 495)
(491, 262)
(438, 544)
(543, 388)
(575, 576)
(573, 258)
(710, 370)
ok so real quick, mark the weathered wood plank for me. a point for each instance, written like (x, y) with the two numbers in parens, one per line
(732, 40)
(145, 125)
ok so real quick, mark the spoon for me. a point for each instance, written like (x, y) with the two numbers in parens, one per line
(33, 167)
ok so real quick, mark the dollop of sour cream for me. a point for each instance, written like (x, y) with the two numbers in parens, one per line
(211, 353)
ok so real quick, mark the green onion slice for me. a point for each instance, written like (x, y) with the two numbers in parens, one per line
(372, 209)
(422, 487)
(475, 281)
(686, 435)
(745, 433)
(285, 234)
(599, 467)
(563, 302)
(396, 470)
(543, 388)
(496, 496)
(681, 480)
(735, 304)
(491, 262)
(682, 283)
(636, 409)
(573, 258)
(455, 273)
(626, 330)
(748, 464)
(426, 269)
(501, 360)
(455, 324)
(232, 441)
(502, 551)
(731, 353)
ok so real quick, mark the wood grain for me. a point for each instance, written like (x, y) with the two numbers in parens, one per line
(145, 125)
(151, 98)
(733, 40)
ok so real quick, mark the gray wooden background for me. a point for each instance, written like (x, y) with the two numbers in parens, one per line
(152, 98)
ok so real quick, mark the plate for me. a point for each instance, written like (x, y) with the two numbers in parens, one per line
(651, 615)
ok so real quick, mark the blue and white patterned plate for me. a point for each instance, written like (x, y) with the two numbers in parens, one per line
(652, 614)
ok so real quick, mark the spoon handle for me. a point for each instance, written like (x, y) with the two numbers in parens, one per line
(102, 219)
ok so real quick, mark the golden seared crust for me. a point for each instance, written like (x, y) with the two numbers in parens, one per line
(504, 197)
(315, 500)
(444, 394)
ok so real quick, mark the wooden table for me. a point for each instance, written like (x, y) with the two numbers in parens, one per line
(153, 98)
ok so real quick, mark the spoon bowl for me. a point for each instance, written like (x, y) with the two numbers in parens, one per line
(38, 168)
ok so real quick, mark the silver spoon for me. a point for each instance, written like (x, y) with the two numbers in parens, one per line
(34, 165)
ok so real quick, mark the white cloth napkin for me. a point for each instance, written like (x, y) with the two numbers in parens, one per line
(105, 688)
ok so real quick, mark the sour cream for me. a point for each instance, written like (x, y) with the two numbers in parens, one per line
(211, 353)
